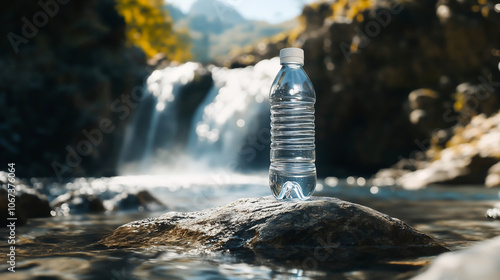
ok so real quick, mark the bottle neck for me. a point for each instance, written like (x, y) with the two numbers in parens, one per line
(292, 65)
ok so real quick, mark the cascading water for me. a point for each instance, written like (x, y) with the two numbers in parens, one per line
(229, 129)
(232, 124)
(155, 122)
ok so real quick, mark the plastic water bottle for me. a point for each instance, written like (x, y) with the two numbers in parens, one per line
(292, 173)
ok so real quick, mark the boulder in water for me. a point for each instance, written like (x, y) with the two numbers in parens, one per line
(315, 231)
(77, 203)
(481, 261)
(29, 203)
(471, 157)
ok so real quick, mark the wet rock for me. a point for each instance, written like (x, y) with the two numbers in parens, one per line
(28, 202)
(4, 213)
(142, 200)
(481, 261)
(77, 203)
(85, 200)
(34, 204)
(321, 229)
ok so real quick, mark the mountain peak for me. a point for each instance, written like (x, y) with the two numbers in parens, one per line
(218, 10)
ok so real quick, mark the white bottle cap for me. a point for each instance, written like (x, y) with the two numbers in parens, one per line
(292, 55)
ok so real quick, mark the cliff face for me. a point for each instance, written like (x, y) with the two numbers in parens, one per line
(366, 58)
(66, 85)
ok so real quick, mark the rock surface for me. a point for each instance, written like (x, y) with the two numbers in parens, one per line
(321, 229)
(29, 203)
(472, 156)
(481, 261)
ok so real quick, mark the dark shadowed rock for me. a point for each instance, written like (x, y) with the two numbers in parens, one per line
(60, 86)
(324, 229)
(34, 204)
(4, 213)
(142, 200)
(28, 204)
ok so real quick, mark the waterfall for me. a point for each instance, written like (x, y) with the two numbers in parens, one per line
(229, 129)
(155, 123)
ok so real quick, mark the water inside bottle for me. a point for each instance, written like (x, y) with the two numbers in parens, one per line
(292, 173)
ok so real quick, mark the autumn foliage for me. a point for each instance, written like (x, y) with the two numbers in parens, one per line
(150, 27)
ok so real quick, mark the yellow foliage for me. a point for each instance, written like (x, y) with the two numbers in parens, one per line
(350, 8)
(459, 102)
(150, 27)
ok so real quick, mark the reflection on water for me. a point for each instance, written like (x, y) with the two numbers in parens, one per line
(63, 247)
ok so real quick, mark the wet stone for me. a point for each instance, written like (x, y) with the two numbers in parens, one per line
(142, 200)
(321, 230)
(28, 202)
(77, 203)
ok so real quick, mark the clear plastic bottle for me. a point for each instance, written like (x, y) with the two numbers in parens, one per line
(292, 173)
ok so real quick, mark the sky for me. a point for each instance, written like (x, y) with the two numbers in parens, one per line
(272, 11)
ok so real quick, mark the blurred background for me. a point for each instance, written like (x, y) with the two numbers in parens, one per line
(117, 110)
(104, 88)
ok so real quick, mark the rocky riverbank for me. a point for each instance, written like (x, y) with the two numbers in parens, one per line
(471, 156)
(40, 198)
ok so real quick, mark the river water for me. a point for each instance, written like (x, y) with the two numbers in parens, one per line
(64, 246)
